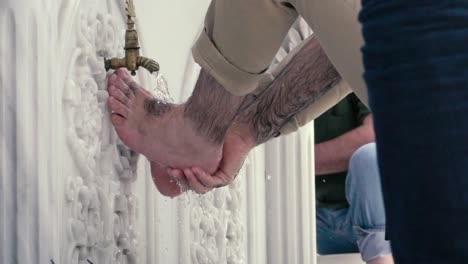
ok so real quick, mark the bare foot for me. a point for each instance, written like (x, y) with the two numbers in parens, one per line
(237, 145)
(156, 129)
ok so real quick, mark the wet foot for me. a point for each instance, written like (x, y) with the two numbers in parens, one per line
(156, 129)
(167, 185)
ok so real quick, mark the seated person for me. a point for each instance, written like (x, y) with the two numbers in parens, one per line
(350, 209)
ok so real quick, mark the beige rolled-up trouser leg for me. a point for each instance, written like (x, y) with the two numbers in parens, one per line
(336, 25)
(241, 38)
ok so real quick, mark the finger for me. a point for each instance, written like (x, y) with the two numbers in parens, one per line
(119, 95)
(116, 107)
(211, 181)
(194, 184)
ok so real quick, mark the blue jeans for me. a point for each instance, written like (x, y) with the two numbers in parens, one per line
(416, 69)
(361, 227)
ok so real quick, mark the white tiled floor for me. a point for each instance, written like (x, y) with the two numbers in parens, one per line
(340, 259)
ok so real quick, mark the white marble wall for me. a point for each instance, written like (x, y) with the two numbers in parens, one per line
(70, 192)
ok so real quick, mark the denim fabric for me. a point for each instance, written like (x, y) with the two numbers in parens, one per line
(361, 227)
(416, 69)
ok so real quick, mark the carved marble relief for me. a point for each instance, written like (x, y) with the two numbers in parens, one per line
(101, 205)
(217, 232)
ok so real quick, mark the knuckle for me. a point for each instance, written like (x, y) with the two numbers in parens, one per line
(111, 102)
(133, 86)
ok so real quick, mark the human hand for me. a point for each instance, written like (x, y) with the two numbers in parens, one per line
(237, 145)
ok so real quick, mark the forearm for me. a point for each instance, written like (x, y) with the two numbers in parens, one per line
(211, 108)
(304, 80)
(333, 156)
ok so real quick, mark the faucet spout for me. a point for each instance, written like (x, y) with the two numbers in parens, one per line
(149, 64)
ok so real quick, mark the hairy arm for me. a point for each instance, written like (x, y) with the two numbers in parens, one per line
(333, 155)
(304, 80)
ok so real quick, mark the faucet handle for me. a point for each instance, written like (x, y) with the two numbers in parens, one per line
(130, 9)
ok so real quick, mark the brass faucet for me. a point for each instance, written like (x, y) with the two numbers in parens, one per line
(132, 60)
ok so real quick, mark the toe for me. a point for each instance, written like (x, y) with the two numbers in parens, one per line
(117, 120)
(121, 72)
(119, 95)
(111, 80)
(122, 86)
(117, 107)
(143, 93)
(124, 75)
(128, 80)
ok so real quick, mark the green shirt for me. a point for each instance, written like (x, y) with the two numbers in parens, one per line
(343, 117)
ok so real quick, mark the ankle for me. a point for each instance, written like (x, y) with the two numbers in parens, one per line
(244, 133)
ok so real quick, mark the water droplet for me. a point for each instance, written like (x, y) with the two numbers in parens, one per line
(268, 177)
(324, 180)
